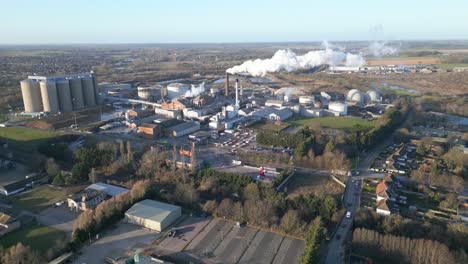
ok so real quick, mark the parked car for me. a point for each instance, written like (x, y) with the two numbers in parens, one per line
(348, 214)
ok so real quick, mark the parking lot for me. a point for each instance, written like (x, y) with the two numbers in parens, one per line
(220, 241)
(60, 218)
(121, 241)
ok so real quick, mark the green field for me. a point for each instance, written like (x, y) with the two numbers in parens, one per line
(37, 236)
(337, 122)
(270, 126)
(25, 134)
(39, 198)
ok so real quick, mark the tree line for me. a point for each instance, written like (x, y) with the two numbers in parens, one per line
(398, 249)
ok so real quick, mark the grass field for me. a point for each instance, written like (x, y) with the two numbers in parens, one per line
(270, 126)
(25, 134)
(338, 122)
(37, 236)
(39, 198)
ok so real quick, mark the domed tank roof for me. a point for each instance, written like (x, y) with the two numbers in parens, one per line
(351, 93)
(374, 95)
(358, 97)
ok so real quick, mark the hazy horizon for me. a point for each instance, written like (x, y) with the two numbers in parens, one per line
(53, 22)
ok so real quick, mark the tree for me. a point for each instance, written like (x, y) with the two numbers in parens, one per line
(290, 222)
(421, 150)
(210, 206)
(93, 177)
(80, 171)
(129, 151)
(52, 168)
(19, 254)
(450, 201)
(193, 158)
(314, 238)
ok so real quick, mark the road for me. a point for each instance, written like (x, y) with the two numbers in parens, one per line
(352, 197)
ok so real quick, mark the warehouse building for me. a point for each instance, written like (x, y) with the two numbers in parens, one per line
(152, 214)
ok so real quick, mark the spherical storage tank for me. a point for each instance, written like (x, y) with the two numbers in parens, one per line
(64, 95)
(175, 90)
(374, 96)
(50, 100)
(87, 84)
(76, 93)
(351, 93)
(31, 96)
(340, 107)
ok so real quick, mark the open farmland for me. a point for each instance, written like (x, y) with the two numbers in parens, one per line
(403, 61)
(337, 122)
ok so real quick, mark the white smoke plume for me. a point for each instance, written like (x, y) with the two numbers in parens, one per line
(379, 49)
(194, 90)
(287, 60)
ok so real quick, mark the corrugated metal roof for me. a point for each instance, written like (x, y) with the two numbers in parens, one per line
(111, 190)
(152, 210)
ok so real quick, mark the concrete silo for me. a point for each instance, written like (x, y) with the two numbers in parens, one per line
(76, 93)
(87, 83)
(31, 96)
(64, 95)
(49, 96)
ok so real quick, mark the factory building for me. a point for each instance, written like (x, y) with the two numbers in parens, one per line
(59, 93)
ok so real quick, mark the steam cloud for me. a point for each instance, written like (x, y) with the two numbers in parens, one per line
(379, 49)
(194, 91)
(287, 60)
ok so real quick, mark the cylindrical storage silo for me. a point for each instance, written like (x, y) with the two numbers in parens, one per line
(49, 96)
(76, 93)
(175, 90)
(87, 83)
(64, 95)
(96, 91)
(31, 96)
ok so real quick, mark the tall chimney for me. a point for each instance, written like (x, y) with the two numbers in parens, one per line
(226, 85)
(237, 93)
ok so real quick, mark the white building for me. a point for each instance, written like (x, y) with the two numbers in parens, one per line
(280, 115)
(152, 214)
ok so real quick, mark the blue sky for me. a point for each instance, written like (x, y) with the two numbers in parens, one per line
(163, 21)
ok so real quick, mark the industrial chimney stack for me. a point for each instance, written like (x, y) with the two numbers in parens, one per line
(226, 85)
(237, 93)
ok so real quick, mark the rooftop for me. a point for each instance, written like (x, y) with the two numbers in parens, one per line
(111, 190)
(152, 210)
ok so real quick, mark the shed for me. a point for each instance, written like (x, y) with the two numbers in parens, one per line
(152, 214)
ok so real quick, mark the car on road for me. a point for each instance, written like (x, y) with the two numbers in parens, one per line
(348, 214)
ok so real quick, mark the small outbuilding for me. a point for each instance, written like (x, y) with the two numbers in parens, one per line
(152, 214)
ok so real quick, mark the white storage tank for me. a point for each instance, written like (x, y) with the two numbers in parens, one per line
(49, 96)
(306, 100)
(31, 96)
(374, 96)
(339, 107)
(175, 90)
(150, 93)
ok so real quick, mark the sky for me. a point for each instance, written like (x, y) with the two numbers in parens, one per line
(219, 21)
